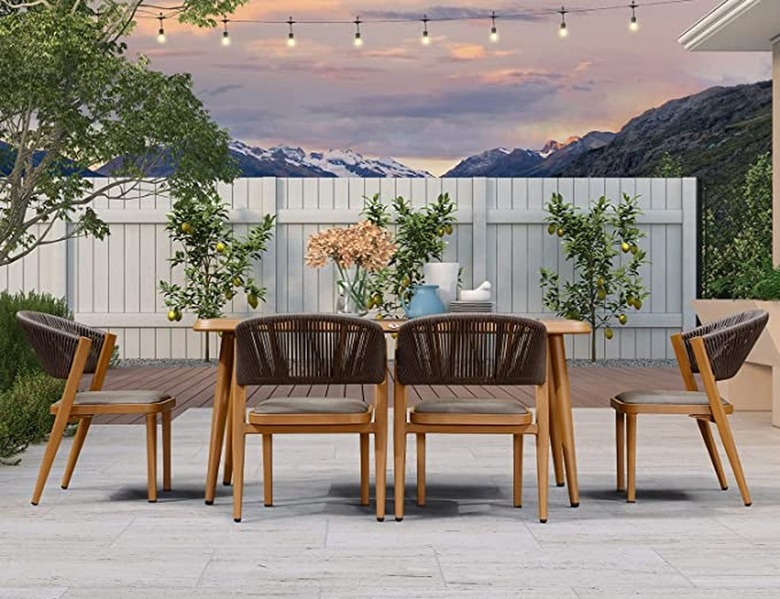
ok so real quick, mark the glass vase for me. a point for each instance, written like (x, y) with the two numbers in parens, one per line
(353, 291)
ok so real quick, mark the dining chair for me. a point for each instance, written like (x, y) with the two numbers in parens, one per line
(67, 350)
(471, 349)
(716, 351)
(308, 349)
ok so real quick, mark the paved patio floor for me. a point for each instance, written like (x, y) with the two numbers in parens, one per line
(683, 538)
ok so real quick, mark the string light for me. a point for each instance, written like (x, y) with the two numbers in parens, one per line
(426, 39)
(493, 29)
(563, 31)
(161, 30)
(291, 36)
(633, 25)
(225, 34)
(358, 38)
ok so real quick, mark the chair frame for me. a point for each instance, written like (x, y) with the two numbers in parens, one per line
(372, 421)
(714, 412)
(66, 411)
(407, 423)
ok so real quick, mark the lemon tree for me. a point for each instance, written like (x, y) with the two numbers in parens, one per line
(420, 236)
(216, 263)
(603, 243)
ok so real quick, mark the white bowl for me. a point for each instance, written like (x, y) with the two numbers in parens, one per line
(474, 295)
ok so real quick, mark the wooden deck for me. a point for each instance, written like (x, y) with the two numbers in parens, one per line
(194, 387)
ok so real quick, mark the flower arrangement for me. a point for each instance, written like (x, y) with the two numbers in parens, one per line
(356, 251)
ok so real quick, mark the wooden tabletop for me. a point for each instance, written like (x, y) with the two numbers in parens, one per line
(555, 326)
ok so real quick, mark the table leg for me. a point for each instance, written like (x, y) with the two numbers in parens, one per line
(227, 475)
(563, 405)
(555, 428)
(219, 414)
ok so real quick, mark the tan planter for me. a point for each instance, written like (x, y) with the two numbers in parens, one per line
(757, 385)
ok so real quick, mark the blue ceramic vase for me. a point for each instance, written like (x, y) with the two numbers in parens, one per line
(425, 302)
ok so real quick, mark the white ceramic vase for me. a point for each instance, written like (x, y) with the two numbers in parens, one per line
(445, 275)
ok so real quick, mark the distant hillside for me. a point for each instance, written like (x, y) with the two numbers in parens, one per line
(8, 158)
(521, 162)
(716, 135)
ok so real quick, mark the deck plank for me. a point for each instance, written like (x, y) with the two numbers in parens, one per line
(591, 387)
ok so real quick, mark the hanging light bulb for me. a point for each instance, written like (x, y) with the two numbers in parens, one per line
(225, 34)
(633, 25)
(563, 31)
(493, 29)
(161, 31)
(358, 38)
(291, 36)
(426, 39)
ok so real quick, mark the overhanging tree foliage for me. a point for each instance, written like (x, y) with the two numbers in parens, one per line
(71, 100)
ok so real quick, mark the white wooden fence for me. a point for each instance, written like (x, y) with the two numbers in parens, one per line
(500, 237)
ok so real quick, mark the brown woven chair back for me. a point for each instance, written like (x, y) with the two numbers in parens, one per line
(55, 339)
(728, 341)
(472, 349)
(310, 349)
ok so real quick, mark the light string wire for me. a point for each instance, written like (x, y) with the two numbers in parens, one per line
(492, 16)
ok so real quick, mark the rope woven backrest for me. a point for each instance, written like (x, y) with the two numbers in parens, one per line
(472, 349)
(310, 349)
(55, 339)
(728, 341)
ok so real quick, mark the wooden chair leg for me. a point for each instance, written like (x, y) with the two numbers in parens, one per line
(380, 455)
(420, 469)
(55, 437)
(517, 476)
(151, 456)
(268, 470)
(399, 449)
(542, 474)
(631, 448)
(166, 447)
(238, 444)
(364, 468)
(726, 437)
(75, 450)
(712, 450)
(620, 449)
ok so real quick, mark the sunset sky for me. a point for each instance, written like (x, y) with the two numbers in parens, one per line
(430, 106)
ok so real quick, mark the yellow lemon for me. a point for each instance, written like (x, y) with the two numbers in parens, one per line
(625, 247)
(186, 228)
(608, 333)
(171, 315)
(623, 319)
(220, 247)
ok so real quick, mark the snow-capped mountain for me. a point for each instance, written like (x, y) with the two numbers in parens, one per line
(522, 162)
(285, 161)
(295, 162)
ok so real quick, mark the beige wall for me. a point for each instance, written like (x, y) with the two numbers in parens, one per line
(776, 151)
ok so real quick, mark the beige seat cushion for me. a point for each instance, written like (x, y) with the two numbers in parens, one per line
(311, 405)
(476, 405)
(664, 398)
(120, 397)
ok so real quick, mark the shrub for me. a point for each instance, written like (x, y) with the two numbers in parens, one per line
(768, 287)
(24, 412)
(16, 355)
(737, 245)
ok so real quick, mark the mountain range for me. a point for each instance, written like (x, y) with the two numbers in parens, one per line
(714, 135)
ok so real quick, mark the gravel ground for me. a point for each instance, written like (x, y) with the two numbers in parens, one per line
(571, 363)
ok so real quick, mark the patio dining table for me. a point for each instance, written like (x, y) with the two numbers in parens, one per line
(561, 421)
